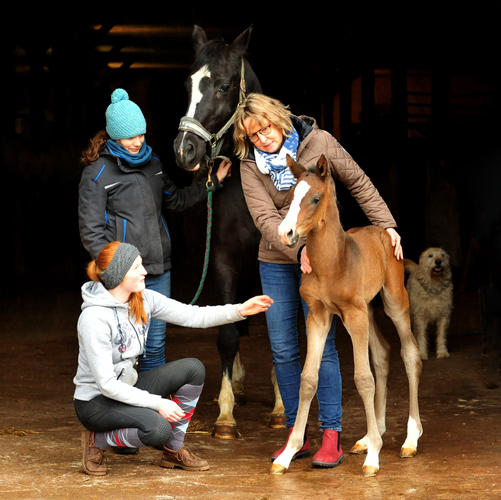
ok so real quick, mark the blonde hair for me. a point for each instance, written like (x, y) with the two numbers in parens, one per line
(262, 109)
(98, 266)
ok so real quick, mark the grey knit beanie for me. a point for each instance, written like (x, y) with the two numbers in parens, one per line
(124, 118)
(122, 261)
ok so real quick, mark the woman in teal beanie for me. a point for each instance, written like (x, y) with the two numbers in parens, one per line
(122, 193)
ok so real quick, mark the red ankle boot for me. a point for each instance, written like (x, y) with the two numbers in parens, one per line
(330, 453)
(302, 453)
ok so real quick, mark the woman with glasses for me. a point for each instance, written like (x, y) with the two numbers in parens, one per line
(265, 132)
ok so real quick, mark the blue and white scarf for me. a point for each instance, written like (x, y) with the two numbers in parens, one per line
(275, 164)
(142, 157)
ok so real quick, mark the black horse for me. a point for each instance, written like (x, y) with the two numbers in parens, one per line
(218, 79)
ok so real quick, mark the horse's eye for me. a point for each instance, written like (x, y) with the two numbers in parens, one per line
(224, 89)
(316, 200)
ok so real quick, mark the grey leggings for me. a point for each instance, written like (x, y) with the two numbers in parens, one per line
(102, 414)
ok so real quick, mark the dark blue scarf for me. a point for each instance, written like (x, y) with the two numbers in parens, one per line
(141, 158)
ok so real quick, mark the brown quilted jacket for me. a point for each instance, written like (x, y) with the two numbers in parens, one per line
(268, 206)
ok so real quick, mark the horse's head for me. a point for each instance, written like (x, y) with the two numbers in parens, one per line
(307, 200)
(214, 89)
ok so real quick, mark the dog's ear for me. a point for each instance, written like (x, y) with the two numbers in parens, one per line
(409, 265)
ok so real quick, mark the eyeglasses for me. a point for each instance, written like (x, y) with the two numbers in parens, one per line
(264, 131)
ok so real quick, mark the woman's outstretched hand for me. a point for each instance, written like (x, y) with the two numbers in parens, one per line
(256, 305)
(170, 410)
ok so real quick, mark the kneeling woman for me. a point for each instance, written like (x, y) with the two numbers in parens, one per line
(116, 405)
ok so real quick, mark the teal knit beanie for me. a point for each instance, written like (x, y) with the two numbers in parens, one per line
(124, 118)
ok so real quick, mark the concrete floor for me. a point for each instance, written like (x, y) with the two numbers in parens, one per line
(458, 456)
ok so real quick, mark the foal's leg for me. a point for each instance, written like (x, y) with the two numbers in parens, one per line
(277, 418)
(396, 306)
(356, 322)
(380, 355)
(317, 325)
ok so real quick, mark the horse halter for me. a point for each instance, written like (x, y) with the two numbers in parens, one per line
(188, 124)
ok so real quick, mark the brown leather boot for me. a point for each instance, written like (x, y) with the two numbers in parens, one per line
(182, 458)
(93, 459)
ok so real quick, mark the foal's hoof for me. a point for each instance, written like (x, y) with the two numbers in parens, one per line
(277, 421)
(358, 449)
(370, 471)
(407, 452)
(225, 431)
(277, 469)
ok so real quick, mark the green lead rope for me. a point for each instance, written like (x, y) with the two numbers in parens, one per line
(210, 189)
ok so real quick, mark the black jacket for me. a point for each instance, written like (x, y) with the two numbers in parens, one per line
(118, 202)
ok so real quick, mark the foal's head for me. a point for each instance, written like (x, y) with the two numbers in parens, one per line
(308, 200)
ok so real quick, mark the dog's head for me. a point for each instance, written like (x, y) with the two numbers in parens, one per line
(435, 262)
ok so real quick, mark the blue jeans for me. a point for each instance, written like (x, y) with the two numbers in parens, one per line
(281, 282)
(155, 342)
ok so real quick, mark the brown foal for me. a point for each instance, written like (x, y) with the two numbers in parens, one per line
(349, 269)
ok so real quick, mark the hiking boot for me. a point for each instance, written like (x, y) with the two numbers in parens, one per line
(302, 453)
(330, 453)
(93, 459)
(182, 458)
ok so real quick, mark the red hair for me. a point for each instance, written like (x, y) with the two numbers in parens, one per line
(98, 266)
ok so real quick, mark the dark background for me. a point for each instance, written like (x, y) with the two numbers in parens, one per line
(439, 174)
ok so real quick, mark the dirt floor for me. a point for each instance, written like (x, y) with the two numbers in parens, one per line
(459, 452)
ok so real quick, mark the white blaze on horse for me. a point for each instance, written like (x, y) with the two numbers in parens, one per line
(349, 269)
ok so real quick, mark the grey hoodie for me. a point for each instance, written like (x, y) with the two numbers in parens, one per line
(110, 341)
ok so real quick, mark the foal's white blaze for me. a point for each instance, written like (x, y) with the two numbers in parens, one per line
(290, 221)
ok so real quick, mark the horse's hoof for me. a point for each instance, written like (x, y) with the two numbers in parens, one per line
(277, 421)
(407, 452)
(277, 469)
(358, 449)
(225, 431)
(370, 471)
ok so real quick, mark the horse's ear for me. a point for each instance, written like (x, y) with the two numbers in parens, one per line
(322, 169)
(199, 38)
(240, 44)
(296, 168)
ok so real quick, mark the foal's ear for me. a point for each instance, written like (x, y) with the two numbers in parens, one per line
(199, 38)
(323, 168)
(296, 168)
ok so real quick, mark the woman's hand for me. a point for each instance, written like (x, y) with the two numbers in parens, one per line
(395, 241)
(256, 305)
(305, 262)
(170, 410)
(223, 170)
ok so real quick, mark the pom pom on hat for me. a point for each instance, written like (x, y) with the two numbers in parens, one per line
(124, 118)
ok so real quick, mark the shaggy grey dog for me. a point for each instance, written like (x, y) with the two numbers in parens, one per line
(430, 295)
